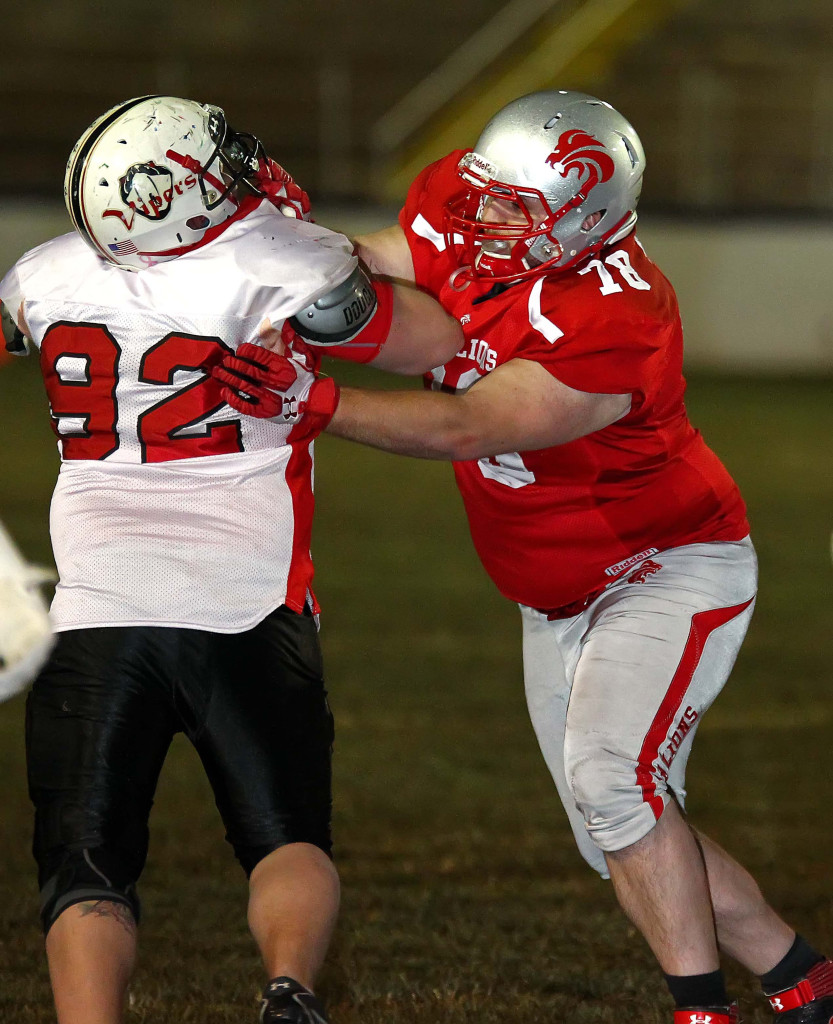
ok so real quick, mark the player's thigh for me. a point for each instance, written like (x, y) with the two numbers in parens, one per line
(266, 742)
(550, 653)
(98, 726)
(654, 656)
(549, 664)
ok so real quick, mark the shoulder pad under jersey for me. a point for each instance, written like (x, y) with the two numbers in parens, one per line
(340, 315)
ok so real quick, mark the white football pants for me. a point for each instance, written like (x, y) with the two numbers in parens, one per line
(616, 693)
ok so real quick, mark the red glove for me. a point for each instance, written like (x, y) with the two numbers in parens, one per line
(280, 187)
(302, 352)
(254, 380)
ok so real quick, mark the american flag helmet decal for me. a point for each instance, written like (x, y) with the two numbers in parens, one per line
(124, 248)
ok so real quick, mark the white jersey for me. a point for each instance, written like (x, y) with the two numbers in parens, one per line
(170, 508)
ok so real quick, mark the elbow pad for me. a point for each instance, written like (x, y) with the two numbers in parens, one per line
(350, 322)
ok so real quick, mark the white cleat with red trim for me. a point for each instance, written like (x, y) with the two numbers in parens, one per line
(808, 1002)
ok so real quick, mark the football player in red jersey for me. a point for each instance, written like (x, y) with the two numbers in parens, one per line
(592, 502)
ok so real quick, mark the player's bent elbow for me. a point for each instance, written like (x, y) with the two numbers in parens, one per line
(408, 360)
(460, 443)
(443, 341)
(422, 335)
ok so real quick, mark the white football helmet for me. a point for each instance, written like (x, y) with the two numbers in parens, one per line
(26, 636)
(150, 177)
(553, 178)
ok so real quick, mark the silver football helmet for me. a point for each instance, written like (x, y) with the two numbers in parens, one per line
(554, 177)
(150, 177)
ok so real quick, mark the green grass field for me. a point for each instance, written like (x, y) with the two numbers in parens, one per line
(463, 897)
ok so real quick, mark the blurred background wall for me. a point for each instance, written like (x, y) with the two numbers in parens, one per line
(733, 100)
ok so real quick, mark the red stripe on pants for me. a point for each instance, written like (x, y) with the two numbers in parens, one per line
(702, 625)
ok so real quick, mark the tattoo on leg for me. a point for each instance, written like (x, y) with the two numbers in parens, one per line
(107, 908)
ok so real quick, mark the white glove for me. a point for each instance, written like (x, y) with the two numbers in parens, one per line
(26, 636)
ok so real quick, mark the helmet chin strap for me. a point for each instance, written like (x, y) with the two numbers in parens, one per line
(193, 165)
(531, 262)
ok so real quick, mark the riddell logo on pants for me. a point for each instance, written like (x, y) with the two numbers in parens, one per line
(674, 742)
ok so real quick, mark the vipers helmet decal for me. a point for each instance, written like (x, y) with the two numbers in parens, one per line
(148, 190)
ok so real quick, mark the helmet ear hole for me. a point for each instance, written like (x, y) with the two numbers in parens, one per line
(591, 220)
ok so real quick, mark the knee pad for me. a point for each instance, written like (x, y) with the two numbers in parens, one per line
(87, 874)
(614, 807)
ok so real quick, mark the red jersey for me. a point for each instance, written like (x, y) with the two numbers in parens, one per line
(554, 525)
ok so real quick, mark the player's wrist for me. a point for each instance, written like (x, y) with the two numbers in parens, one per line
(321, 403)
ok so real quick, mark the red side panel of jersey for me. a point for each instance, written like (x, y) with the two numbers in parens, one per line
(551, 526)
(299, 479)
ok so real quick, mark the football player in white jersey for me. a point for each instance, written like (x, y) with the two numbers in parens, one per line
(184, 603)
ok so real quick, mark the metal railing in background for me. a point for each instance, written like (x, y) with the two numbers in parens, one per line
(480, 50)
(569, 45)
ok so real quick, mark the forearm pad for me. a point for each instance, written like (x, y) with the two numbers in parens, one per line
(352, 321)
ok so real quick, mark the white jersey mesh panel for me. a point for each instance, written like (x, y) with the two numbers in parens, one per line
(205, 543)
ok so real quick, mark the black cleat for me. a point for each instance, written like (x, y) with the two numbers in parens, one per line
(285, 1001)
(810, 1001)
